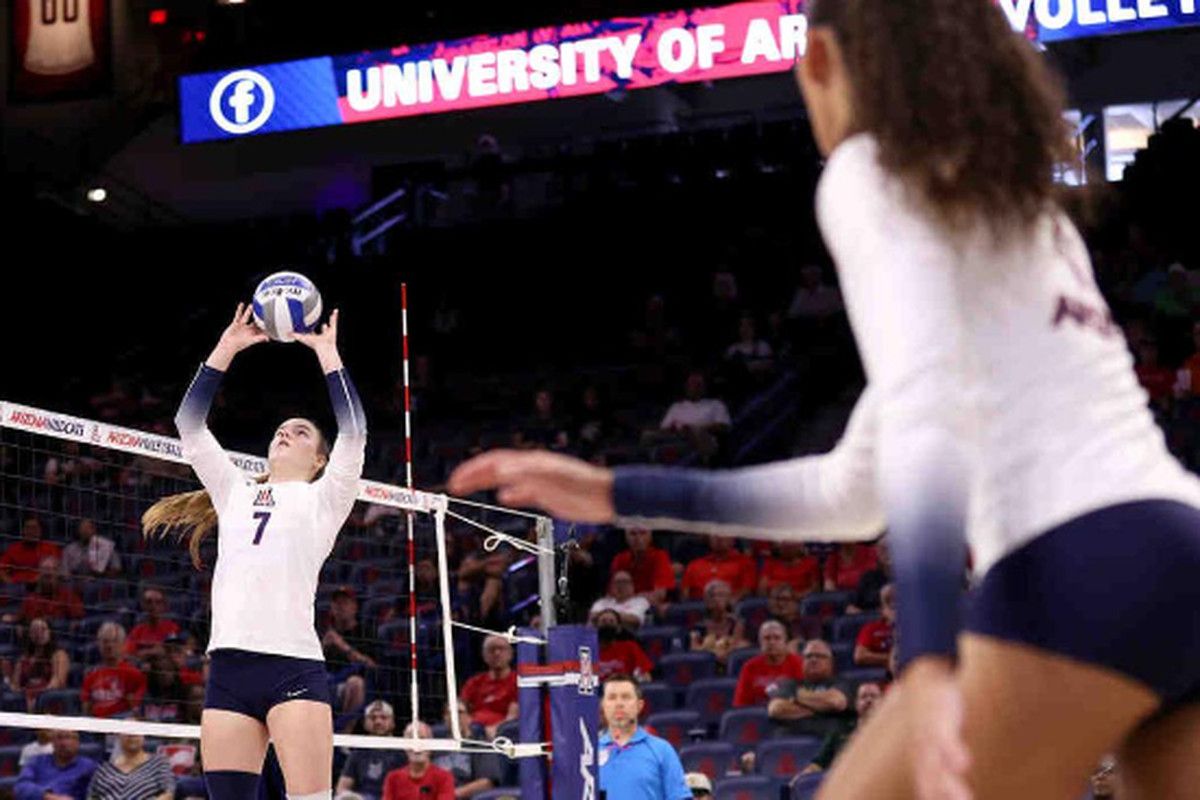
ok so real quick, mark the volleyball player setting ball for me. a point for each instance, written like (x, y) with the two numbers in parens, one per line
(267, 676)
(1001, 409)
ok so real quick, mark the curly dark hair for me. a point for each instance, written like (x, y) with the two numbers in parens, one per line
(966, 112)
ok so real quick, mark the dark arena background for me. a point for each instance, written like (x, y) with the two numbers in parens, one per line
(583, 251)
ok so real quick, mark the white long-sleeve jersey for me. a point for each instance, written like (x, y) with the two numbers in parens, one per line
(1001, 396)
(272, 537)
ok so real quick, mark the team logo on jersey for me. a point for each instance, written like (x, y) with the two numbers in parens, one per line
(265, 498)
(241, 102)
(587, 676)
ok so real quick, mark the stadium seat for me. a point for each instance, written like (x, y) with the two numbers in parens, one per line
(825, 604)
(674, 726)
(10, 757)
(64, 702)
(92, 750)
(745, 727)
(752, 610)
(711, 697)
(864, 675)
(686, 614)
(843, 656)
(658, 697)
(745, 787)
(783, 758)
(804, 787)
(660, 640)
(12, 701)
(684, 669)
(845, 629)
(714, 759)
(739, 657)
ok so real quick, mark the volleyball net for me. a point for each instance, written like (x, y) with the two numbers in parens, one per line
(105, 630)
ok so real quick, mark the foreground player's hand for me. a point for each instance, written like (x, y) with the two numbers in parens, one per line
(324, 343)
(939, 755)
(241, 332)
(564, 487)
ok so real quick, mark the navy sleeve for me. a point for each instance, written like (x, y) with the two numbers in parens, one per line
(193, 411)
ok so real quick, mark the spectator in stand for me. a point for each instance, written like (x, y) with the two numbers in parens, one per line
(818, 705)
(790, 564)
(650, 566)
(115, 687)
(91, 555)
(784, 608)
(544, 428)
(492, 695)
(481, 575)
(349, 650)
(42, 744)
(20, 560)
(720, 631)
(166, 696)
(365, 769)
(630, 607)
(132, 774)
(774, 661)
(1191, 365)
(845, 567)
(865, 700)
(62, 775)
(179, 649)
(814, 300)
(873, 648)
(594, 423)
(147, 637)
(43, 665)
(1179, 298)
(696, 412)
(49, 599)
(420, 779)
(1156, 379)
(724, 563)
(866, 596)
(750, 357)
(619, 651)
(473, 772)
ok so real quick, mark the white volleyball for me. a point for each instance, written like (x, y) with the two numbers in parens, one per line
(286, 303)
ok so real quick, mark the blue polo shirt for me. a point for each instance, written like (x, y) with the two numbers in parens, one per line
(43, 774)
(647, 768)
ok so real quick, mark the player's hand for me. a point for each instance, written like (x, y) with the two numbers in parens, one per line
(324, 343)
(564, 487)
(939, 755)
(241, 332)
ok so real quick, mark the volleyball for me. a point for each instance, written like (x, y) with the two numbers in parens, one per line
(286, 303)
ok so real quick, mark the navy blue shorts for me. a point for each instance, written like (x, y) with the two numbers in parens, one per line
(1118, 588)
(254, 683)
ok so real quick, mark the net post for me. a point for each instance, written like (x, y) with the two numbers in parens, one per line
(547, 587)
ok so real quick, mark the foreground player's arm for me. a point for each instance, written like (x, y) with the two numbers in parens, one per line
(828, 497)
(200, 447)
(339, 485)
(898, 274)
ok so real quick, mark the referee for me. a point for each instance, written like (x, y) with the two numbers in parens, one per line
(635, 765)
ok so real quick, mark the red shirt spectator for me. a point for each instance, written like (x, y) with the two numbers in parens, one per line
(650, 566)
(876, 638)
(622, 656)
(149, 636)
(773, 663)
(108, 691)
(1157, 380)
(789, 564)
(20, 560)
(492, 695)
(49, 599)
(845, 568)
(434, 783)
(724, 564)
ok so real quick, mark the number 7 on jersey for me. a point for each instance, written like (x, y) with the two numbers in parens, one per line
(263, 518)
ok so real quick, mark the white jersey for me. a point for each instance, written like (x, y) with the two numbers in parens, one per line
(272, 540)
(60, 37)
(998, 388)
(1009, 350)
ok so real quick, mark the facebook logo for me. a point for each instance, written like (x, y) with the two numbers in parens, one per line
(241, 102)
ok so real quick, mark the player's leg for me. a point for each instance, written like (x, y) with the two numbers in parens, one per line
(302, 731)
(1162, 757)
(232, 748)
